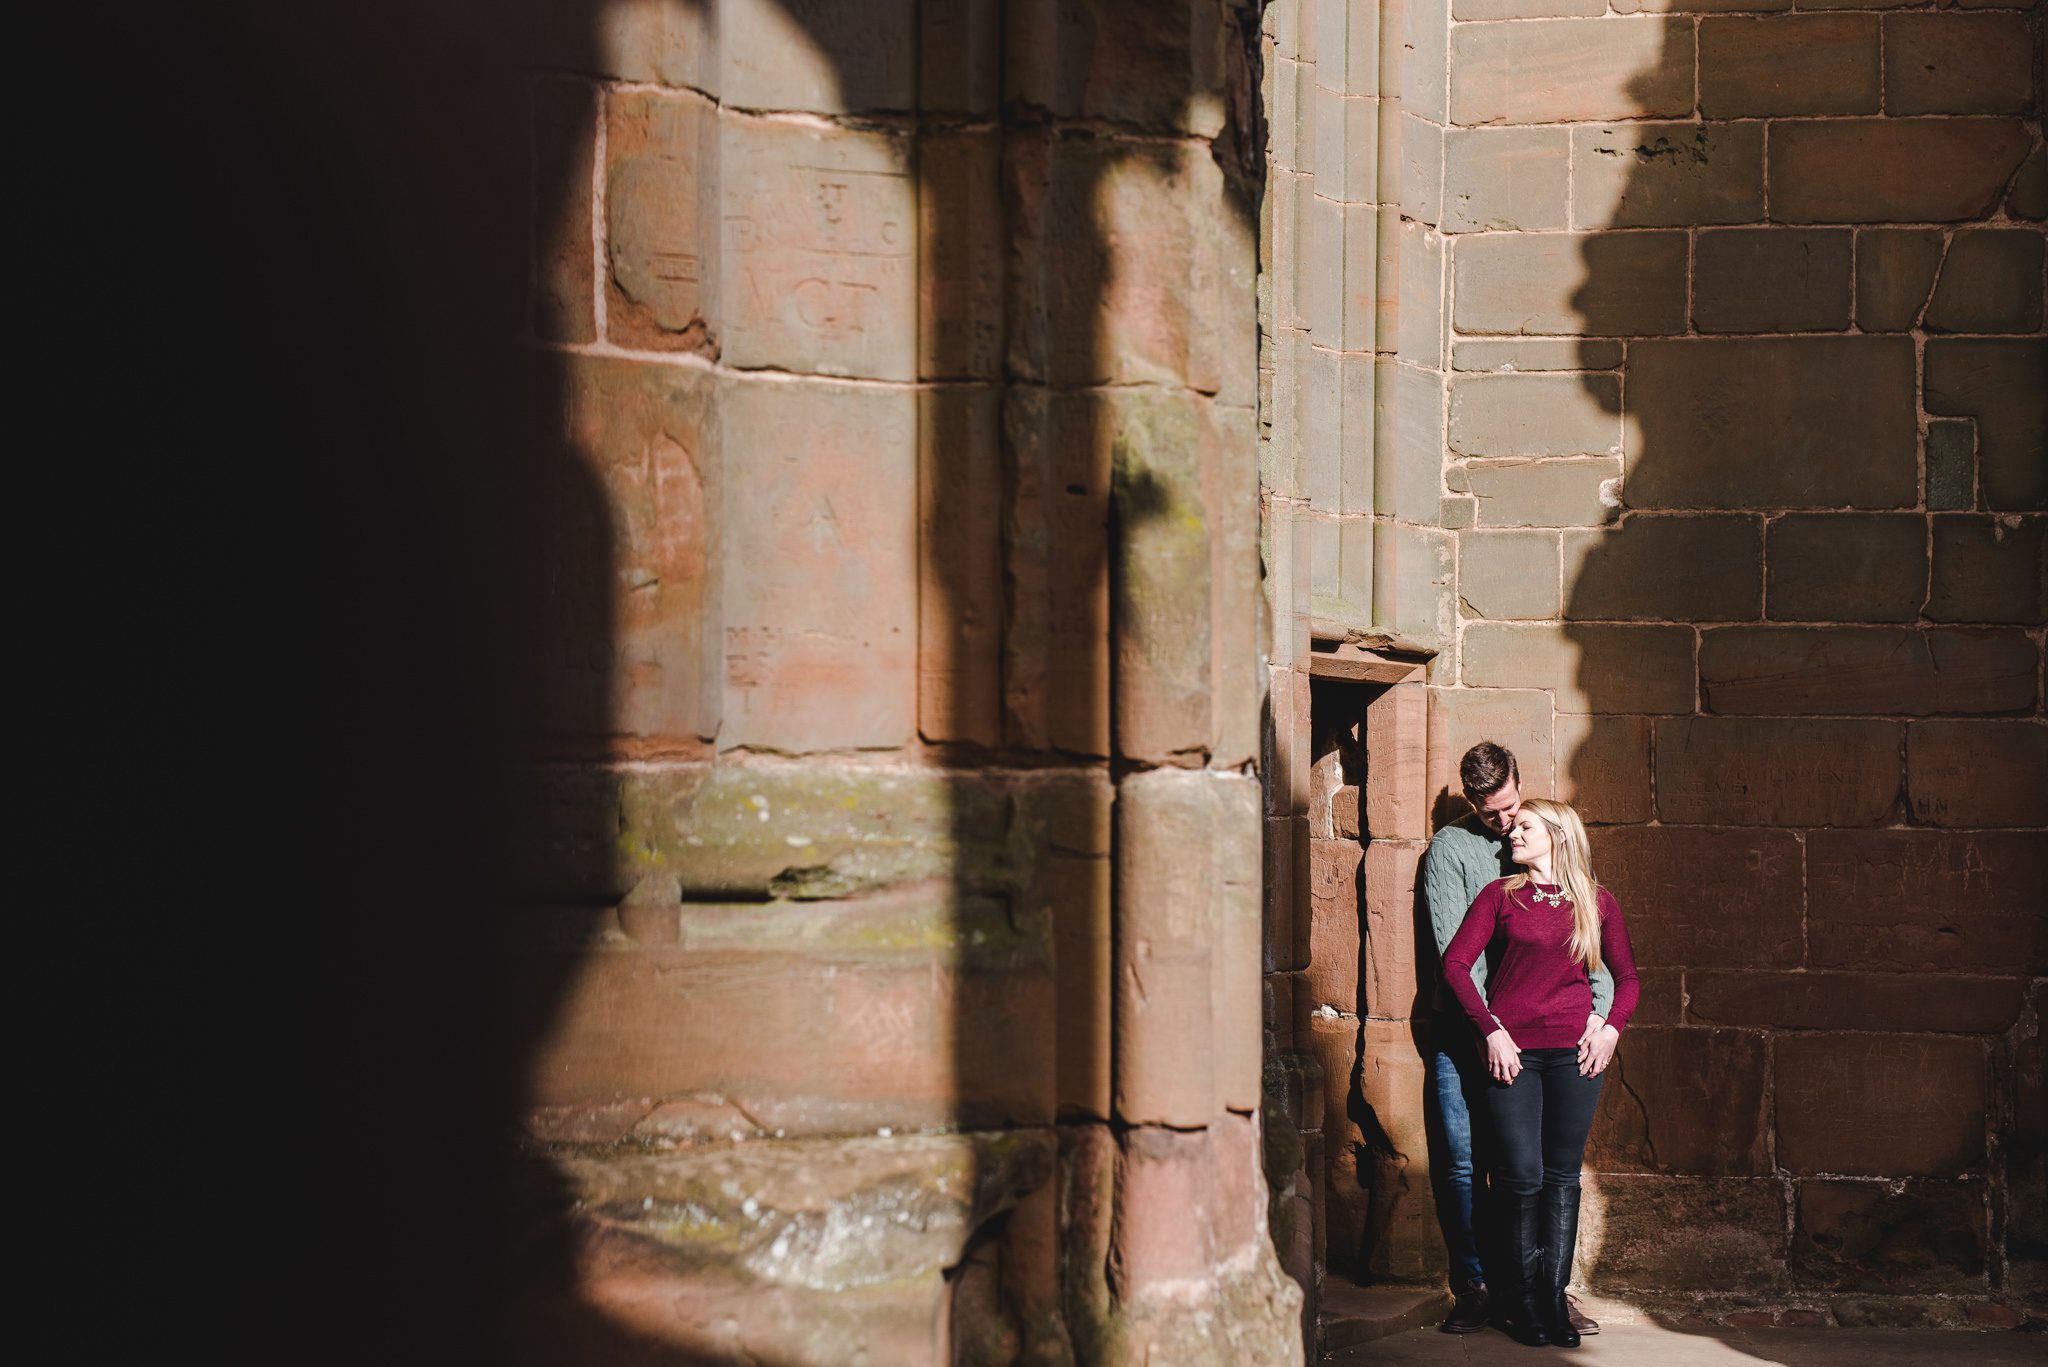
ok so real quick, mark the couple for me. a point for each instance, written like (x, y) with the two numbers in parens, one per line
(1538, 983)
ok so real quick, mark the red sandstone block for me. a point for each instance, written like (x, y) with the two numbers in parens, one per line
(1865, 1236)
(818, 57)
(1957, 64)
(661, 239)
(1396, 776)
(1166, 1193)
(960, 570)
(645, 657)
(1460, 718)
(820, 597)
(1754, 772)
(1806, 671)
(1557, 70)
(1792, 64)
(564, 146)
(1234, 917)
(1603, 766)
(900, 1038)
(1333, 1042)
(1663, 997)
(1334, 944)
(1056, 640)
(1920, 1103)
(1393, 986)
(1684, 1101)
(1852, 1001)
(1655, 1232)
(1699, 895)
(1978, 773)
(1229, 438)
(1917, 900)
(960, 284)
(818, 249)
(1891, 170)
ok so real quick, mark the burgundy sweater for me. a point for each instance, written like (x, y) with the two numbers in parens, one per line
(1536, 992)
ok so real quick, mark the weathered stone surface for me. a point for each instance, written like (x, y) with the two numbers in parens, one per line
(786, 1252)
(1662, 1001)
(1683, 1101)
(1650, 568)
(1864, 1236)
(1951, 459)
(1887, 170)
(1894, 276)
(1698, 895)
(1858, 671)
(1771, 280)
(1537, 354)
(1553, 71)
(1056, 638)
(564, 144)
(2028, 198)
(1658, 1232)
(1772, 423)
(2000, 383)
(1161, 609)
(1334, 942)
(646, 654)
(1396, 725)
(1535, 415)
(1791, 64)
(1392, 989)
(1460, 718)
(1657, 175)
(1509, 574)
(1847, 567)
(1586, 667)
(1411, 580)
(1466, 11)
(1978, 773)
(1603, 766)
(1546, 493)
(1919, 1103)
(1506, 180)
(816, 56)
(1990, 282)
(1989, 569)
(1399, 1237)
(1130, 298)
(820, 594)
(900, 1009)
(960, 246)
(1920, 900)
(1852, 1001)
(1600, 284)
(960, 571)
(1956, 64)
(1116, 62)
(1757, 772)
(661, 188)
(818, 249)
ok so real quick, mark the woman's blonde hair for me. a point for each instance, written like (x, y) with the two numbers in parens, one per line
(1571, 859)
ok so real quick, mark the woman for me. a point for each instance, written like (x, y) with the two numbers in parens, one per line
(1550, 928)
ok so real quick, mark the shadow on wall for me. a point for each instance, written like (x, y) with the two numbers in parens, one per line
(1806, 810)
(430, 609)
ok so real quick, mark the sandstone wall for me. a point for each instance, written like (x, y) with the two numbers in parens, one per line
(1741, 487)
(897, 977)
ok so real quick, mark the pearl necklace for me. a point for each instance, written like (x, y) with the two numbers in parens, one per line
(1548, 899)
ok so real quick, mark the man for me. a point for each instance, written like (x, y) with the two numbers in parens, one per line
(1462, 859)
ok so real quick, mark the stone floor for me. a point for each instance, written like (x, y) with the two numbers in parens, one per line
(1651, 1345)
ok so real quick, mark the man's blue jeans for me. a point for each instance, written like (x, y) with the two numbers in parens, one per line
(1457, 1081)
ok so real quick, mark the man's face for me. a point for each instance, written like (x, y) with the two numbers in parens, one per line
(1498, 813)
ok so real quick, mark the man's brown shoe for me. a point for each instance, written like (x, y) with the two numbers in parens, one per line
(1581, 1321)
(1470, 1312)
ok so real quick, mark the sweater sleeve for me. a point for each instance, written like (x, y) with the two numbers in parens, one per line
(1464, 950)
(1603, 991)
(1443, 890)
(1620, 957)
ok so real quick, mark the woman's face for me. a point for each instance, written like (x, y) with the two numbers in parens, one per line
(1529, 839)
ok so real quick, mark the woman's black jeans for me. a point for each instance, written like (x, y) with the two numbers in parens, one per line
(1540, 1122)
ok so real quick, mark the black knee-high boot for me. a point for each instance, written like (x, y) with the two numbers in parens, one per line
(1524, 1220)
(1560, 1228)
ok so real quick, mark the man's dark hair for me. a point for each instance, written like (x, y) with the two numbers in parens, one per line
(1487, 768)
